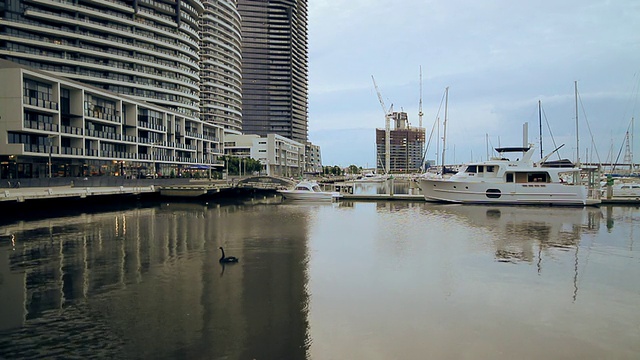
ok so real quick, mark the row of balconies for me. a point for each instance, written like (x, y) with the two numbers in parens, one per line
(110, 135)
(40, 103)
(45, 149)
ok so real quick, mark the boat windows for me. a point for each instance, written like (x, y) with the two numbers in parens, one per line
(472, 169)
(493, 193)
(509, 177)
(490, 168)
(537, 177)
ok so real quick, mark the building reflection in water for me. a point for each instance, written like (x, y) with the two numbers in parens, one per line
(146, 283)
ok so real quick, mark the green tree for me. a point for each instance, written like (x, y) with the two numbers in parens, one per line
(353, 169)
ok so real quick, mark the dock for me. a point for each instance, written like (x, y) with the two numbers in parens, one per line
(382, 197)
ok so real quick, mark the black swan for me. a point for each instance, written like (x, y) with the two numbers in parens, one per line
(227, 259)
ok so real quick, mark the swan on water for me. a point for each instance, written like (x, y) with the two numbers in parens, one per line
(227, 259)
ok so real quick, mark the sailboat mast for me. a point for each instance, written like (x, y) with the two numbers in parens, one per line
(540, 124)
(444, 126)
(632, 144)
(577, 136)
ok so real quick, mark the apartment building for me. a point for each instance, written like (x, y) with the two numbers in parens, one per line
(279, 156)
(221, 65)
(275, 68)
(51, 126)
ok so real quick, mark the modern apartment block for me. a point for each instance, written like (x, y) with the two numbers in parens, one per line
(54, 127)
(221, 65)
(313, 159)
(145, 49)
(275, 68)
(279, 156)
(406, 146)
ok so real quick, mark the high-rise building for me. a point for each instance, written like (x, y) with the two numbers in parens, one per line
(108, 87)
(221, 65)
(145, 49)
(406, 146)
(275, 68)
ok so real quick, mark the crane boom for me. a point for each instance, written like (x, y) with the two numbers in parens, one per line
(387, 129)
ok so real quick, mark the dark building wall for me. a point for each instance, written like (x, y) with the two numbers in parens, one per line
(275, 68)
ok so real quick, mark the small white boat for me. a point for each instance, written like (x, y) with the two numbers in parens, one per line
(622, 189)
(309, 191)
(373, 178)
(504, 181)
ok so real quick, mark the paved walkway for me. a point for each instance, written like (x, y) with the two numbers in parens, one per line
(31, 193)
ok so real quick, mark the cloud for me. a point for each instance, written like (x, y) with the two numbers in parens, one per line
(497, 57)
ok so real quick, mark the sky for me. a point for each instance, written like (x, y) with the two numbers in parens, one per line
(498, 59)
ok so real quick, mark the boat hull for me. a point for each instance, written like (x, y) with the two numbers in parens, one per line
(504, 193)
(308, 196)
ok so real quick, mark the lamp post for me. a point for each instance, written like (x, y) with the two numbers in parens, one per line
(50, 141)
(153, 158)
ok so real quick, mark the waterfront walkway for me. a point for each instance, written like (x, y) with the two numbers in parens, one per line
(33, 193)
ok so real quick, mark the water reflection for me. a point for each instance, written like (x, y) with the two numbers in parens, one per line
(524, 233)
(146, 283)
(342, 280)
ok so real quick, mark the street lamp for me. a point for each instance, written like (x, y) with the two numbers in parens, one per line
(50, 141)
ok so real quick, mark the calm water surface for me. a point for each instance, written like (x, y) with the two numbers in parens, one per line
(344, 280)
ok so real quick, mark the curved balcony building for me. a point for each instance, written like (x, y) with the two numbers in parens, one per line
(221, 64)
(146, 49)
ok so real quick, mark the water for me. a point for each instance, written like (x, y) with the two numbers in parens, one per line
(343, 280)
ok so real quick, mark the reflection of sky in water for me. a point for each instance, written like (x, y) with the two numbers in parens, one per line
(347, 280)
(427, 279)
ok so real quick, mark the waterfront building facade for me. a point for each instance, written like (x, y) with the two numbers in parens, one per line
(221, 64)
(147, 50)
(279, 156)
(52, 127)
(406, 146)
(313, 159)
(275, 68)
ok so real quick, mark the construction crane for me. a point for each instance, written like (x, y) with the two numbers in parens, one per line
(387, 129)
(420, 113)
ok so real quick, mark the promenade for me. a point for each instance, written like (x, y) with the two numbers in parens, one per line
(23, 194)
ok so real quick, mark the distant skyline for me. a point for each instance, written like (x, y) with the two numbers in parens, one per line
(498, 58)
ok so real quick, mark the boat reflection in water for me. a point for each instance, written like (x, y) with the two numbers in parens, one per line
(523, 233)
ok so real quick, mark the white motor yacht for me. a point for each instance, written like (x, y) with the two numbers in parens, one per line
(310, 191)
(504, 181)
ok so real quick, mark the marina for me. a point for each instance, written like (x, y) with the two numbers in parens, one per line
(347, 279)
(404, 189)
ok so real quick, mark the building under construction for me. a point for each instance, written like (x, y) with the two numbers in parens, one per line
(406, 146)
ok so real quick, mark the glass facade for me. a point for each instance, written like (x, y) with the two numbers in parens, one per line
(275, 68)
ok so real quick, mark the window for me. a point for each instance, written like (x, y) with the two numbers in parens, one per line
(509, 177)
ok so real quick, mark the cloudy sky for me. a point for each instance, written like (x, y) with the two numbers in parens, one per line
(497, 57)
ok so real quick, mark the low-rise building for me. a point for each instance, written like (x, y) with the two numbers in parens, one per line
(279, 155)
(51, 126)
